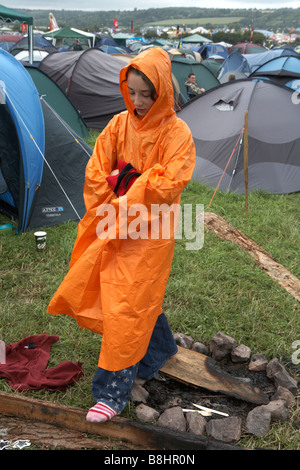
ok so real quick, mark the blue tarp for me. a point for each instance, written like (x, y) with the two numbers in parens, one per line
(20, 95)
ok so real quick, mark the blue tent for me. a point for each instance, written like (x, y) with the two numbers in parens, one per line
(283, 70)
(112, 49)
(42, 160)
(39, 42)
(287, 66)
(21, 103)
(212, 49)
(248, 63)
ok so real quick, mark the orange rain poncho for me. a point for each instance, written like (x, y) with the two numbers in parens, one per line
(116, 284)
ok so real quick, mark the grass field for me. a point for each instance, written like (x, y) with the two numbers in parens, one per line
(216, 288)
(215, 21)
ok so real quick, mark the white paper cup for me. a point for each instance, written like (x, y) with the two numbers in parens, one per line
(40, 240)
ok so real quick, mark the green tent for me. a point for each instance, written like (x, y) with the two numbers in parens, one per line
(59, 102)
(182, 67)
(212, 65)
(70, 33)
(10, 16)
(195, 39)
(64, 33)
(121, 38)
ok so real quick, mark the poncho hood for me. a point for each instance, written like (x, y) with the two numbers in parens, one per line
(156, 65)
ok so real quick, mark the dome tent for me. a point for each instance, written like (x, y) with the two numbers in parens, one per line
(216, 119)
(247, 48)
(181, 67)
(21, 116)
(284, 70)
(42, 163)
(53, 95)
(90, 79)
(248, 63)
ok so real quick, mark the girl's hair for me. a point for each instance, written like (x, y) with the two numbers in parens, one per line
(145, 78)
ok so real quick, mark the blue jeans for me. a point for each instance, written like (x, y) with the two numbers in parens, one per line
(114, 388)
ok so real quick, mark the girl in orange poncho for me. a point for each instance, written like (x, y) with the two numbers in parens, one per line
(119, 270)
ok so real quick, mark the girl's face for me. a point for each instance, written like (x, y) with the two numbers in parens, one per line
(139, 93)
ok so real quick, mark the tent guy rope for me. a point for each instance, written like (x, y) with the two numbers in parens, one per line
(41, 153)
(65, 125)
(226, 166)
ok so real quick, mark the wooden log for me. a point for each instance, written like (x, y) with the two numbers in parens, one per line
(139, 435)
(276, 271)
(196, 369)
(49, 436)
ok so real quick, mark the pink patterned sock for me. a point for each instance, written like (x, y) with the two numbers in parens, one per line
(100, 413)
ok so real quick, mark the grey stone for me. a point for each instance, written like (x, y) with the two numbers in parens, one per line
(281, 377)
(284, 394)
(146, 413)
(258, 362)
(139, 393)
(279, 411)
(241, 353)
(183, 340)
(173, 418)
(221, 346)
(258, 421)
(196, 423)
(225, 429)
(200, 348)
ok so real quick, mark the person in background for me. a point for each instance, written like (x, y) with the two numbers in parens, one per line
(77, 46)
(192, 87)
(116, 284)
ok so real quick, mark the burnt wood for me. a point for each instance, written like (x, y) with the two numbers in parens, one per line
(194, 368)
(139, 435)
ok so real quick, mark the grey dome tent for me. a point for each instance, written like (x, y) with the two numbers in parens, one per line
(90, 79)
(60, 195)
(216, 119)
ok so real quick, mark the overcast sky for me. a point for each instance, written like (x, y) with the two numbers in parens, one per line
(144, 4)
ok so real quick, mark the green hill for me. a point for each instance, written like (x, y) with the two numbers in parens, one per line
(277, 19)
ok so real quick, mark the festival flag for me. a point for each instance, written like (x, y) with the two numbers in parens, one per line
(116, 24)
(24, 28)
(291, 30)
(131, 28)
(251, 34)
(211, 30)
(53, 22)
